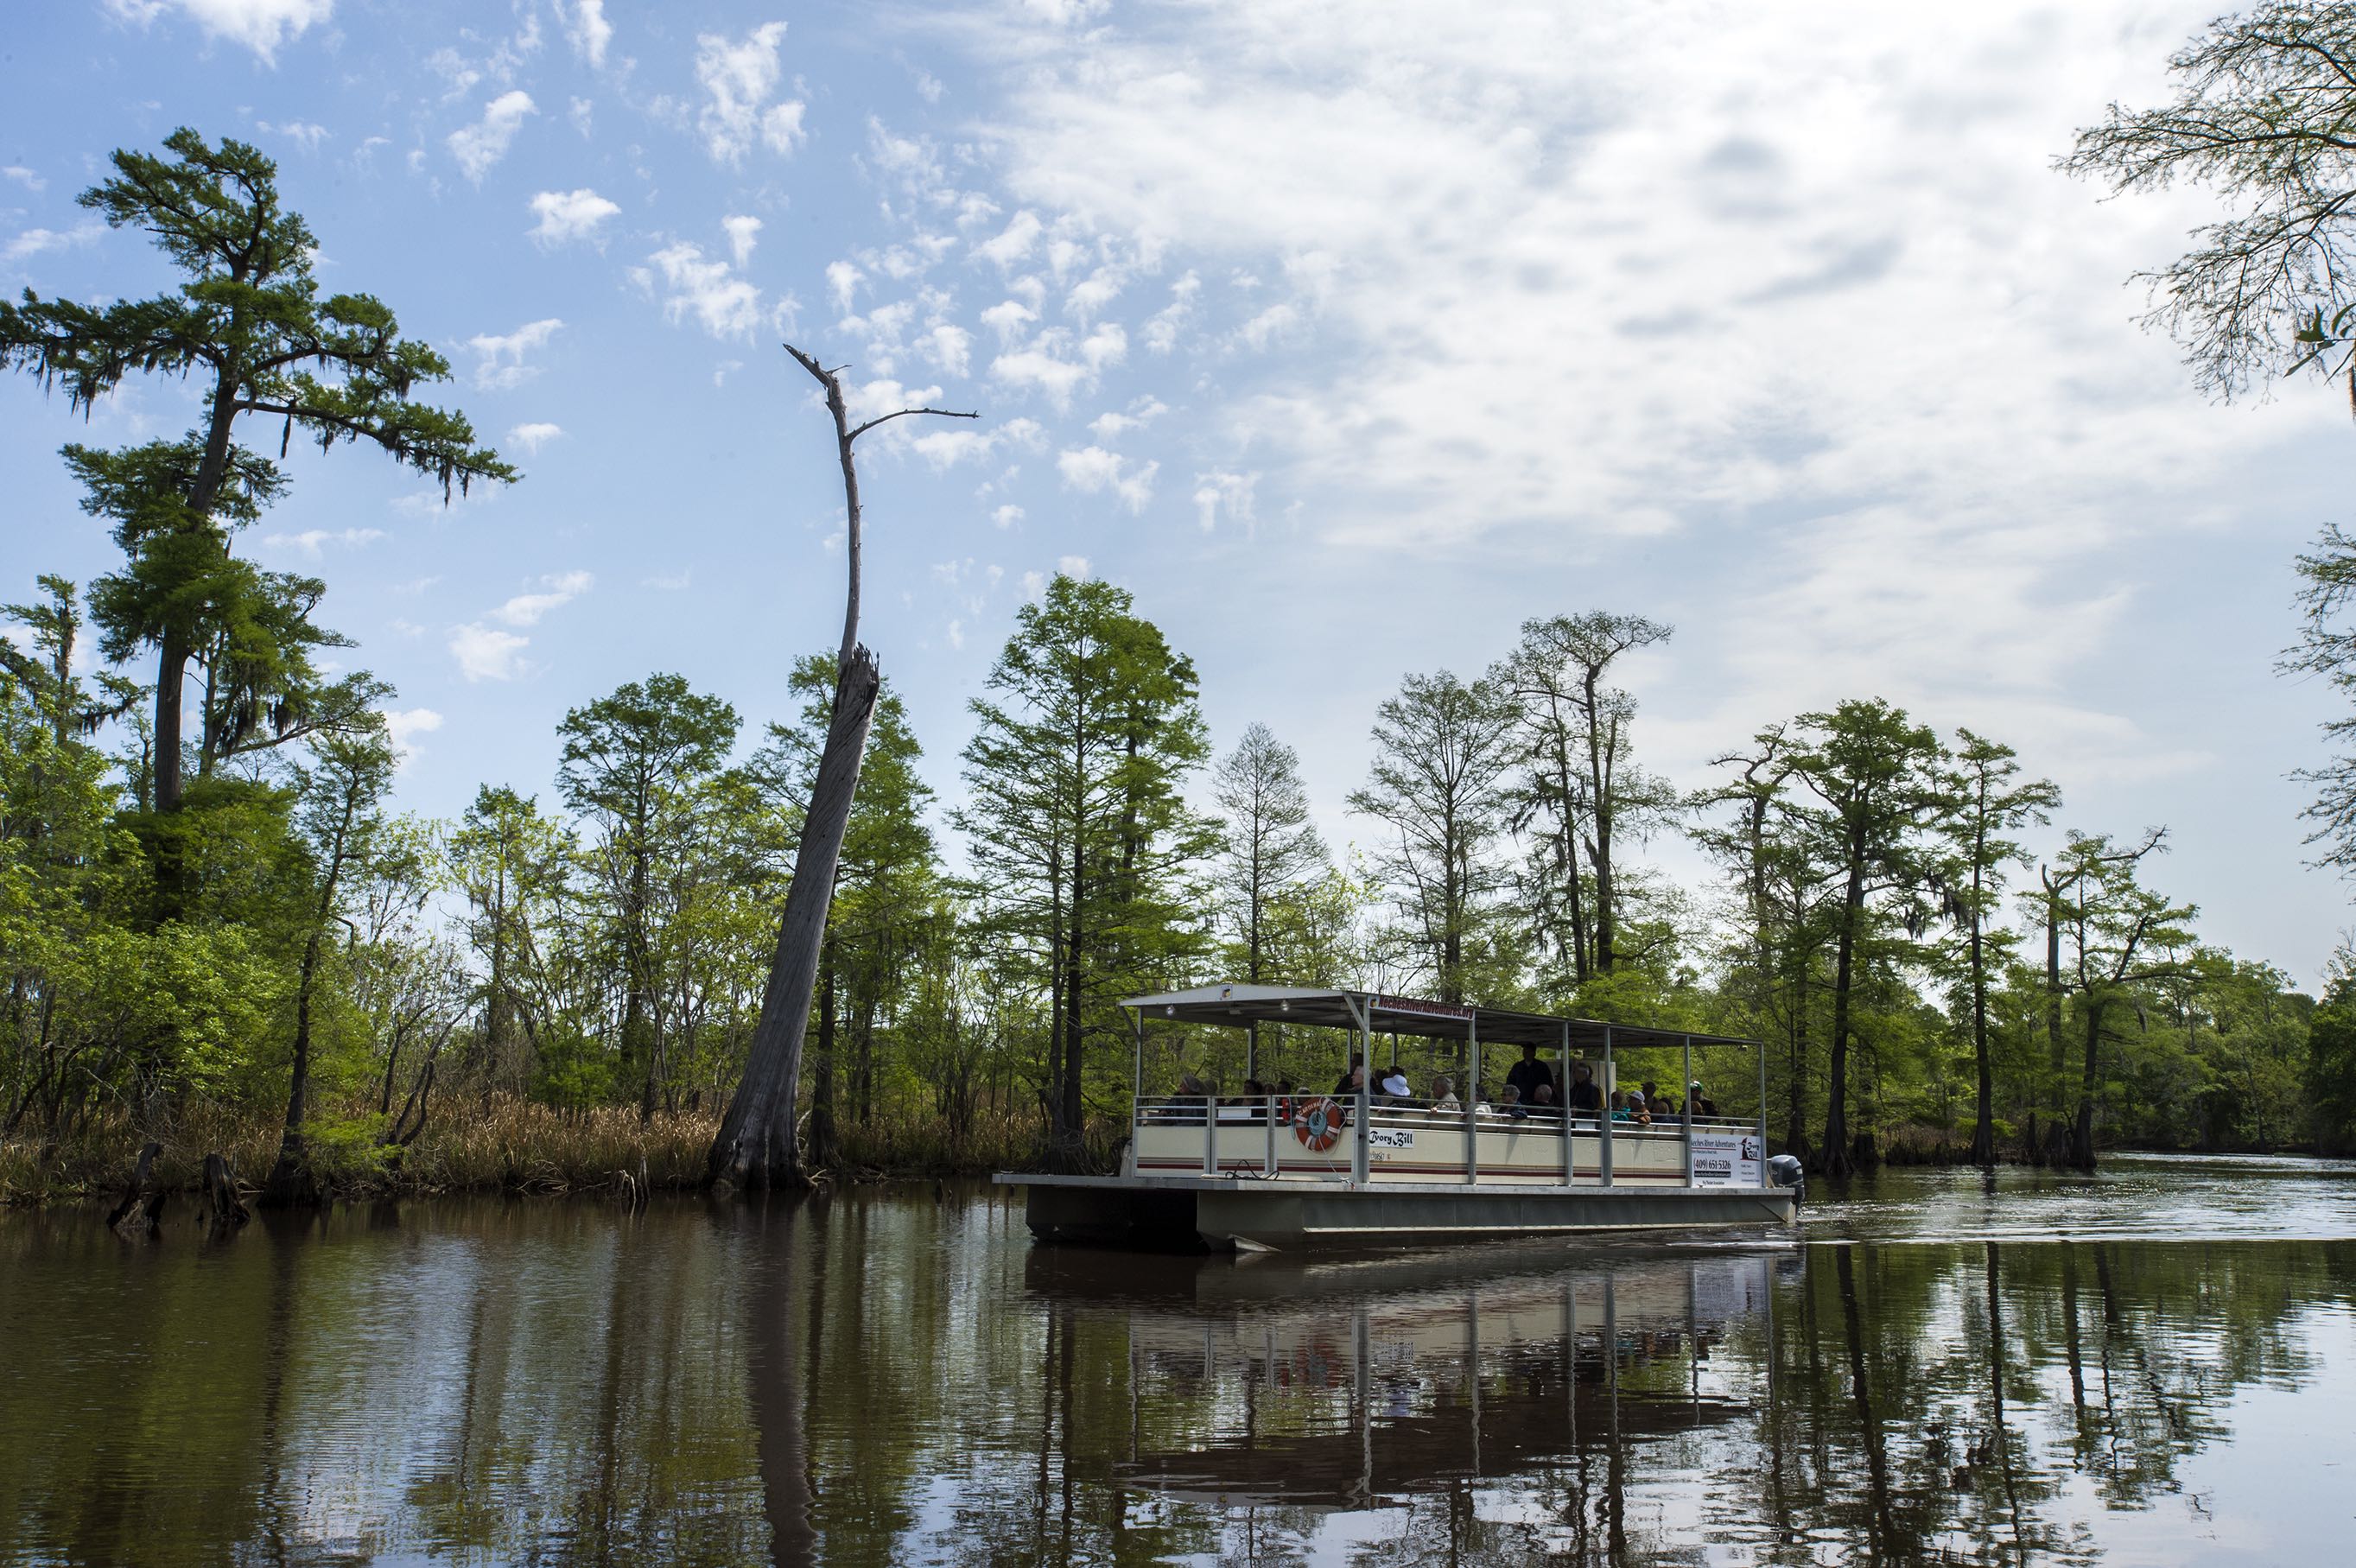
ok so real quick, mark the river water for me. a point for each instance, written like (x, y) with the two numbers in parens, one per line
(2154, 1366)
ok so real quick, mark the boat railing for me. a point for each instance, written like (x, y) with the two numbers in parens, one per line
(1361, 1138)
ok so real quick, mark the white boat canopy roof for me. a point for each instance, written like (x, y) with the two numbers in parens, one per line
(1375, 1013)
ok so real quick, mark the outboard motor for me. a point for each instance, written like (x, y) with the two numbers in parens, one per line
(1784, 1170)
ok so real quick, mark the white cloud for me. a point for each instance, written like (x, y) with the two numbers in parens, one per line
(487, 653)
(946, 448)
(1220, 491)
(404, 725)
(260, 25)
(35, 242)
(500, 362)
(669, 583)
(1092, 470)
(1057, 364)
(568, 215)
(555, 591)
(948, 348)
(725, 304)
(24, 177)
(301, 133)
(842, 281)
(588, 31)
(309, 540)
(532, 437)
(1007, 516)
(1010, 319)
(737, 79)
(928, 87)
(480, 145)
(1013, 242)
(743, 234)
(1162, 328)
(1072, 566)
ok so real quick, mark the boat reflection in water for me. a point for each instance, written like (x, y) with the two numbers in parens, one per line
(1361, 1385)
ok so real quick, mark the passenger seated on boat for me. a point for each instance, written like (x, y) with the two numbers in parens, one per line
(1352, 1083)
(1509, 1103)
(1542, 1107)
(1255, 1099)
(1698, 1102)
(1190, 1089)
(1582, 1095)
(1394, 1086)
(1443, 1095)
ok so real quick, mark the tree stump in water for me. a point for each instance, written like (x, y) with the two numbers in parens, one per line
(220, 1197)
(142, 1208)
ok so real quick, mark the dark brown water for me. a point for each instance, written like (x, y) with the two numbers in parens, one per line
(2155, 1367)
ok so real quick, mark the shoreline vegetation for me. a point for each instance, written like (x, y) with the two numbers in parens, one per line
(506, 1145)
(220, 936)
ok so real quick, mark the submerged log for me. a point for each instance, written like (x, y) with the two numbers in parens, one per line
(142, 1208)
(220, 1197)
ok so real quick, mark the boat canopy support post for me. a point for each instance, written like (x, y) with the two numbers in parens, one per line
(1603, 1162)
(1472, 1102)
(1761, 1049)
(1362, 1010)
(1688, 1117)
(1568, 1132)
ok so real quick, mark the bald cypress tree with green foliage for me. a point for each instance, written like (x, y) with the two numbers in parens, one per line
(628, 758)
(1873, 776)
(248, 326)
(1081, 837)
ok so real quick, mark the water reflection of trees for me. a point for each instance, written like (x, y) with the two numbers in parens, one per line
(871, 1379)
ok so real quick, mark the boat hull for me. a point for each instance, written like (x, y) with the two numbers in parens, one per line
(1222, 1213)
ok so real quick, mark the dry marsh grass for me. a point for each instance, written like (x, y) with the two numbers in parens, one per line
(472, 1144)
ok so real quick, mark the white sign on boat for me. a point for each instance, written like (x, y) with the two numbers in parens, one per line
(1725, 1159)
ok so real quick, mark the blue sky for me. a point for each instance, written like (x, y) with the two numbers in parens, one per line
(1346, 336)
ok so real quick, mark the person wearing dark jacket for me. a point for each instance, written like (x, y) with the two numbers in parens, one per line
(1528, 1073)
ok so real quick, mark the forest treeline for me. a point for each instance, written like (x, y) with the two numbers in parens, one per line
(211, 906)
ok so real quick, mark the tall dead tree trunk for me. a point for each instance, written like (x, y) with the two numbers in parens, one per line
(755, 1147)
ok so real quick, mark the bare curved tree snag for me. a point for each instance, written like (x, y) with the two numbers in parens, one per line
(755, 1145)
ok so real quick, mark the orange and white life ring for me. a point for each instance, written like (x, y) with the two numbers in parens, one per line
(1318, 1125)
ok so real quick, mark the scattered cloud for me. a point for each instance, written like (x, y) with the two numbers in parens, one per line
(1092, 470)
(24, 177)
(669, 583)
(260, 25)
(301, 133)
(1220, 491)
(737, 78)
(724, 304)
(568, 215)
(310, 540)
(500, 363)
(33, 241)
(532, 437)
(743, 233)
(1072, 566)
(1057, 364)
(487, 653)
(1007, 516)
(404, 725)
(480, 145)
(555, 591)
(587, 30)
